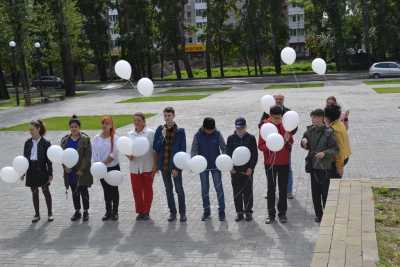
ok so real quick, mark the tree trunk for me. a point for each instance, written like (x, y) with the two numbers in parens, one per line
(176, 63)
(102, 69)
(81, 72)
(65, 48)
(255, 66)
(221, 57)
(149, 64)
(3, 85)
(162, 64)
(208, 44)
(51, 70)
(208, 63)
(365, 14)
(246, 59)
(276, 54)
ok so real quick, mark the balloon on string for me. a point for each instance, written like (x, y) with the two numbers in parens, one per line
(114, 178)
(21, 165)
(224, 163)
(275, 142)
(267, 102)
(70, 157)
(319, 66)
(241, 156)
(198, 164)
(145, 86)
(9, 175)
(98, 170)
(181, 160)
(140, 146)
(288, 55)
(54, 153)
(123, 69)
(267, 129)
(124, 145)
(290, 120)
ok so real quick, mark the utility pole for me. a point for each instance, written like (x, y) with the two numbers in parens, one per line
(12, 45)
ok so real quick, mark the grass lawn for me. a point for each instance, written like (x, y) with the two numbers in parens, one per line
(162, 98)
(196, 90)
(294, 85)
(88, 122)
(387, 90)
(387, 211)
(374, 82)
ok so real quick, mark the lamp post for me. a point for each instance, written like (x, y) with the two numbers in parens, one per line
(39, 66)
(12, 45)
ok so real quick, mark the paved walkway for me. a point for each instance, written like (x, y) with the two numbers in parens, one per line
(374, 122)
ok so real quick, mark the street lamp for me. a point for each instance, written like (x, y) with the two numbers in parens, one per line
(39, 66)
(12, 45)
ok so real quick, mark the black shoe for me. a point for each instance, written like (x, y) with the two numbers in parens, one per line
(183, 218)
(36, 218)
(172, 217)
(290, 196)
(77, 216)
(249, 217)
(221, 216)
(115, 217)
(205, 217)
(317, 219)
(269, 220)
(283, 219)
(239, 218)
(85, 216)
(106, 216)
(50, 218)
(145, 217)
(139, 217)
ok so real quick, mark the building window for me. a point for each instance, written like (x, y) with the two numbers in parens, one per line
(200, 12)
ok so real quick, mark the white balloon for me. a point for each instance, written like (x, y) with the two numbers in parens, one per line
(241, 155)
(124, 145)
(145, 86)
(267, 129)
(54, 153)
(70, 157)
(181, 160)
(288, 55)
(98, 170)
(275, 142)
(140, 146)
(9, 175)
(114, 178)
(21, 165)
(267, 102)
(198, 164)
(319, 66)
(290, 120)
(224, 163)
(123, 69)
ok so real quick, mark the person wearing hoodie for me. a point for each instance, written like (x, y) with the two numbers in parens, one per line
(277, 168)
(209, 143)
(242, 176)
(320, 142)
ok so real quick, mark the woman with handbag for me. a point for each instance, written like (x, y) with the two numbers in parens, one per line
(321, 144)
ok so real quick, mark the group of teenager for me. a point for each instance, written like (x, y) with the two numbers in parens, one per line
(326, 141)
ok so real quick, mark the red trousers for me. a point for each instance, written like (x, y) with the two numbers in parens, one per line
(142, 188)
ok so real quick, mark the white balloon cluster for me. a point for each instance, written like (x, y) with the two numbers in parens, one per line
(99, 171)
(20, 166)
(123, 70)
(183, 161)
(68, 157)
(288, 56)
(136, 147)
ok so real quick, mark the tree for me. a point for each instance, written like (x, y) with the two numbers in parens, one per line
(4, 39)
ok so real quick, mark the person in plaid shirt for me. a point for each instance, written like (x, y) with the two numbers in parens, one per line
(169, 139)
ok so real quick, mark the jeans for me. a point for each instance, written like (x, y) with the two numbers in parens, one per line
(277, 175)
(205, 189)
(242, 193)
(290, 175)
(78, 193)
(169, 183)
(142, 188)
(319, 190)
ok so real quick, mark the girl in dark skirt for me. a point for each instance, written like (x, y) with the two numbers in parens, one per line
(40, 172)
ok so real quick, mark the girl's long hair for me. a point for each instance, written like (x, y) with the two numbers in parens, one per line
(109, 119)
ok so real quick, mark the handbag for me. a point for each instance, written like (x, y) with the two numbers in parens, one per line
(310, 156)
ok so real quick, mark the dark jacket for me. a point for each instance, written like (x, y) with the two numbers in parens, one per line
(209, 146)
(178, 145)
(321, 139)
(38, 175)
(248, 141)
(84, 163)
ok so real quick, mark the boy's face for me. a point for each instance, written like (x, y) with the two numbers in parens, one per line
(276, 118)
(317, 120)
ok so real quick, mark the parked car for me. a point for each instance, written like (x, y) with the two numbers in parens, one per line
(48, 81)
(384, 69)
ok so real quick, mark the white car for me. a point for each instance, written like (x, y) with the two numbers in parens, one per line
(384, 69)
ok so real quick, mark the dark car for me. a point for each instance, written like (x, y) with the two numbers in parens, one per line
(48, 81)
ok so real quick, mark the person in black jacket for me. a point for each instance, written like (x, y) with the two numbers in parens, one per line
(242, 176)
(40, 172)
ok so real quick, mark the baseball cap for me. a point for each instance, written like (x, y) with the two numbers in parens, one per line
(240, 122)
